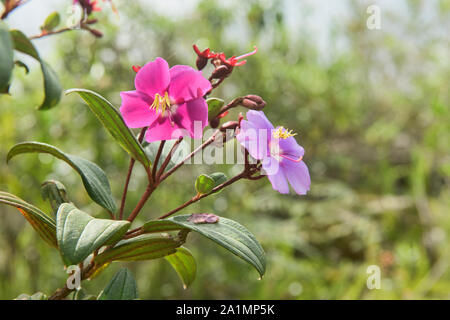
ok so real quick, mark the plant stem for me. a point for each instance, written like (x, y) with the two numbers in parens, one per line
(158, 155)
(196, 198)
(167, 160)
(204, 145)
(127, 181)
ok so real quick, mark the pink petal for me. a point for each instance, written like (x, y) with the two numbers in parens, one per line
(135, 109)
(164, 129)
(193, 116)
(187, 84)
(153, 78)
(298, 175)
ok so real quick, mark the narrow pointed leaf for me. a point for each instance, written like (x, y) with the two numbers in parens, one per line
(79, 234)
(121, 287)
(94, 178)
(55, 192)
(113, 122)
(6, 57)
(52, 86)
(230, 235)
(44, 225)
(184, 264)
(144, 247)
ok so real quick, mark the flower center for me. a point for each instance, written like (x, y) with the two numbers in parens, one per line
(161, 103)
(282, 133)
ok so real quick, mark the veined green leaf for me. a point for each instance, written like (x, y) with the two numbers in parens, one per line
(144, 247)
(79, 234)
(122, 286)
(230, 235)
(36, 296)
(52, 86)
(159, 226)
(93, 177)
(6, 57)
(113, 122)
(44, 225)
(184, 264)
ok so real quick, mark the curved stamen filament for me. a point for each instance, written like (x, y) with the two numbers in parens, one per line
(161, 102)
(247, 54)
(292, 159)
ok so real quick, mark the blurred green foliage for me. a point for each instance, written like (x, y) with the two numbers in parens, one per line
(371, 110)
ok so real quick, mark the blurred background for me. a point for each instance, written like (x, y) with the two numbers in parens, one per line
(371, 108)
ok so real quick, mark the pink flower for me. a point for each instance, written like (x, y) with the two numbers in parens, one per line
(168, 101)
(281, 156)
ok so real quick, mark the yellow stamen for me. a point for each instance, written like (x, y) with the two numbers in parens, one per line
(283, 133)
(161, 102)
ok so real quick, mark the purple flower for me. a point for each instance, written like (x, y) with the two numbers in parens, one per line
(168, 101)
(281, 156)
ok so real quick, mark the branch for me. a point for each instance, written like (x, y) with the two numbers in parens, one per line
(130, 170)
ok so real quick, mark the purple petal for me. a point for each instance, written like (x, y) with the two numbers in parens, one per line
(253, 139)
(187, 84)
(164, 129)
(278, 180)
(259, 120)
(298, 175)
(135, 109)
(193, 116)
(153, 78)
(290, 147)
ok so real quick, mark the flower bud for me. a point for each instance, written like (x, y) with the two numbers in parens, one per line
(221, 72)
(253, 102)
(214, 123)
(229, 125)
(201, 62)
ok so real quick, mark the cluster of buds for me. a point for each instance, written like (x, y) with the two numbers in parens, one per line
(223, 66)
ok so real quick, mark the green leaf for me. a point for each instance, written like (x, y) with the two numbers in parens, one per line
(184, 264)
(214, 106)
(52, 86)
(51, 22)
(204, 184)
(43, 224)
(159, 226)
(218, 178)
(144, 247)
(113, 122)
(55, 192)
(230, 235)
(79, 234)
(22, 65)
(122, 286)
(23, 44)
(182, 150)
(6, 57)
(93, 177)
